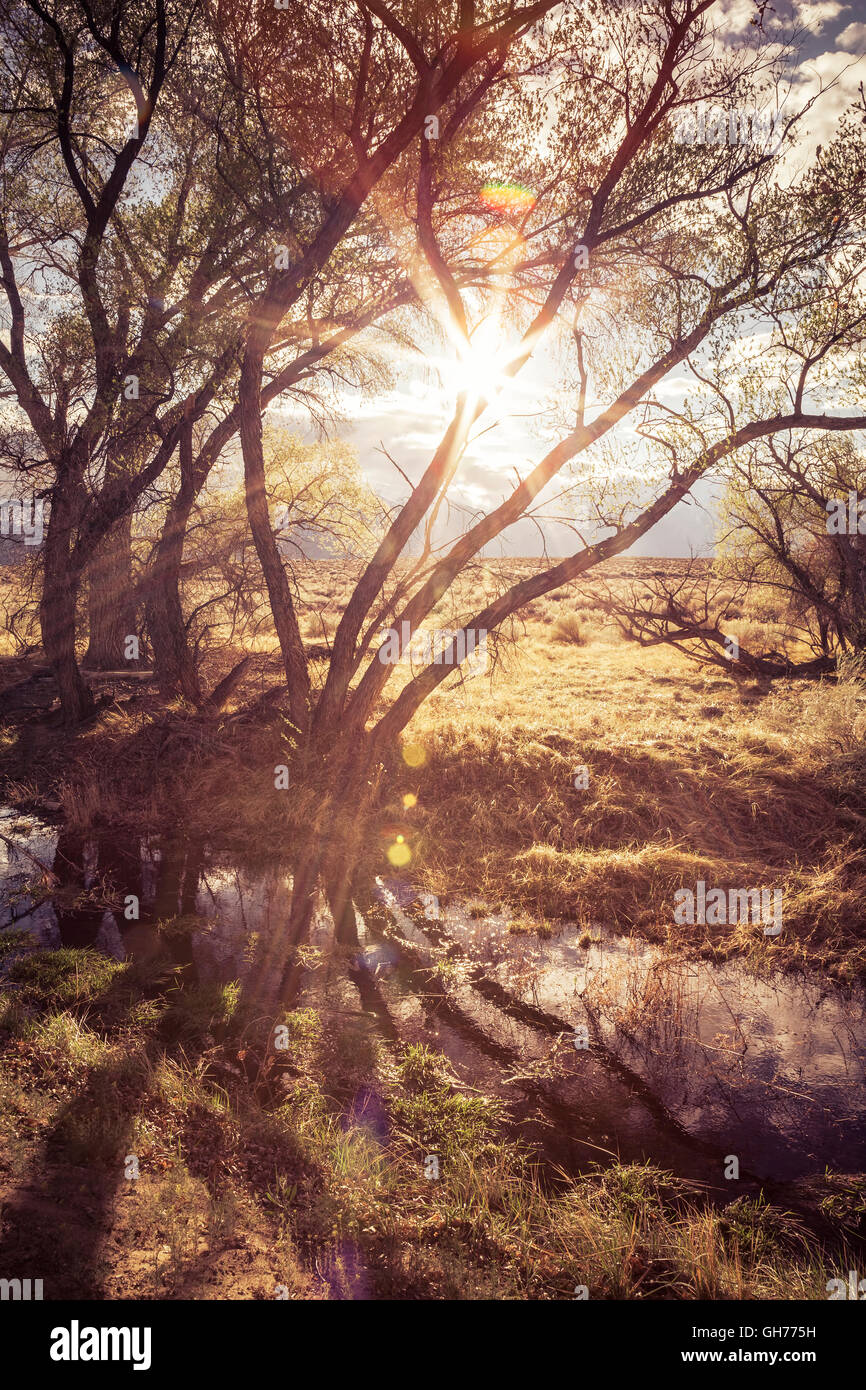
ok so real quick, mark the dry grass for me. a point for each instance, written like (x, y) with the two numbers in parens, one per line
(690, 776)
(569, 628)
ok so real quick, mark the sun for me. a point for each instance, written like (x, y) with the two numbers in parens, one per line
(478, 370)
(478, 377)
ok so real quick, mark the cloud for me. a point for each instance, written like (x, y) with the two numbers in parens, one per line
(832, 78)
(814, 14)
(853, 38)
(736, 16)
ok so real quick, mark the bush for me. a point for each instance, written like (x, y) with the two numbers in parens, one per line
(568, 629)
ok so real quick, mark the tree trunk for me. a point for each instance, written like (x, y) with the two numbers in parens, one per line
(112, 608)
(282, 608)
(222, 693)
(172, 659)
(57, 612)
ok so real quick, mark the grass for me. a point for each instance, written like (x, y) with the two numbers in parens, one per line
(321, 1205)
(244, 1186)
(569, 628)
(687, 779)
(689, 775)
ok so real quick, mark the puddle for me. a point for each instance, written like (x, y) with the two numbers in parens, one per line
(771, 1069)
(687, 1061)
(224, 908)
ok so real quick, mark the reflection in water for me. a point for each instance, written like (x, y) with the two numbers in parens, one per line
(97, 875)
(683, 1052)
(770, 1068)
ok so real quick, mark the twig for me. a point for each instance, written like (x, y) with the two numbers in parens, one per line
(19, 849)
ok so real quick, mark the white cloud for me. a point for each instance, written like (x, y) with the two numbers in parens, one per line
(853, 38)
(809, 14)
(738, 15)
(832, 78)
(814, 14)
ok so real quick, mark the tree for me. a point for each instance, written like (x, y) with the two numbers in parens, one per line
(382, 74)
(321, 506)
(114, 276)
(791, 523)
(793, 513)
(635, 256)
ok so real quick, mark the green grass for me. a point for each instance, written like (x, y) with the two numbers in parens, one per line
(92, 1075)
(65, 976)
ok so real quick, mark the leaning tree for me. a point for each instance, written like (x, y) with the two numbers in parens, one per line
(794, 514)
(791, 509)
(627, 259)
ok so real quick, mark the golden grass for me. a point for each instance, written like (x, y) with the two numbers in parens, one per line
(687, 780)
(690, 776)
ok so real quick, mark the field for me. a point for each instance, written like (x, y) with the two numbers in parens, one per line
(519, 883)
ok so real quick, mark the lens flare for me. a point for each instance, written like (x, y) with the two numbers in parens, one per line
(399, 854)
(414, 755)
(508, 199)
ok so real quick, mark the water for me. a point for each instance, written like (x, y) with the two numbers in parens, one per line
(769, 1068)
(688, 1061)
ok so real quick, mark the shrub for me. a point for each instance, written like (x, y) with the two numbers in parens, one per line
(568, 628)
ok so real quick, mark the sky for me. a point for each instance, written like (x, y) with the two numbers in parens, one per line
(410, 418)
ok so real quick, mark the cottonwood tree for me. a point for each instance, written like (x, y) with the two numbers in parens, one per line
(697, 611)
(794, 516)
(791, 524)
(129, 281)
(114, 273)
(638, 259)
(321, 506)
(327, 339)
(353, 93)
